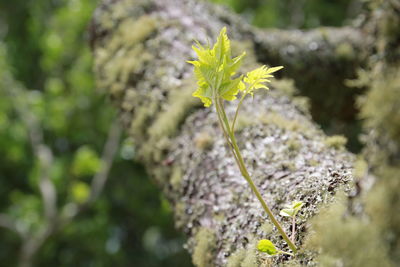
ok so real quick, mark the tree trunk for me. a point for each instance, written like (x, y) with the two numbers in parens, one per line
(141, 49)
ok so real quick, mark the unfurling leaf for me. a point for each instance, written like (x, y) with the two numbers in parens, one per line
(265, 245)
(291, 210)
(257, 78)
(287, 212)
(214, 70)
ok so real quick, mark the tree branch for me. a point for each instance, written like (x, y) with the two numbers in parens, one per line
(180, 143)
(110, 148)
(9, 223)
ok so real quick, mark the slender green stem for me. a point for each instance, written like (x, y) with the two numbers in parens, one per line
(237, 112)
(284, 252)
(242, 167)
(293, 228)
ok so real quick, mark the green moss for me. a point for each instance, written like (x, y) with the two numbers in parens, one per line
(179, 103)
(203, 141)
(345, 51)
(293, 145)
(313, 162)
(302, 103)
(142, 115)
(244, 258)
(123, 53)
(336, 141)
(204, 247)
(133, 31)
(281, 122)
(250, 260)
(179, 214)
(176, 177)
(284, 85)
(345, 239)
(360, 168)
(382, 204)
(288, 166)
(380, 106)
(236, 259)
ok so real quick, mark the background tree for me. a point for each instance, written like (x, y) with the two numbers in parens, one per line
(47, 84)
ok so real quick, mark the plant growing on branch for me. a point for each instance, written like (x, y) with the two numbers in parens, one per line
(215, 70)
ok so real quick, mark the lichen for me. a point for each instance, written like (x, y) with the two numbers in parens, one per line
(203, 141)
(250, 260)
(204, 247)
(176, 177)
(236, 259)
(180, 102)
(243, 258)
(345, 51)
(360, 168)
(350, 241)
(336, 141)
(285, 85)
(293, 145)
(281, 122)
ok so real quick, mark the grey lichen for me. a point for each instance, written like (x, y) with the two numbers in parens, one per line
(176, 177)
(336, 141)
(203, 141)
(203, 251)
(244, 258)
(346, 239)
(236, 259)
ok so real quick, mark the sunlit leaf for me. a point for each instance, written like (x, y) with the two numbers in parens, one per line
(257, 78)
(214, 70)
(292, 209)
(265, 245)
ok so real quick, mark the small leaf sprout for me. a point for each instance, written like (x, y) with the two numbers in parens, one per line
(291, 211)
(265, 245)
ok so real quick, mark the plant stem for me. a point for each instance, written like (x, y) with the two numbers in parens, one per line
(293, 228)
(239, 160)
(284, 252)
(236, 113)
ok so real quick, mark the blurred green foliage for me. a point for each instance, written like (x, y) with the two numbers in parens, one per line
(294, 13)
(45, 68)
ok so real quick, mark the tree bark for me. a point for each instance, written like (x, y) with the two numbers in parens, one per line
(141, 49)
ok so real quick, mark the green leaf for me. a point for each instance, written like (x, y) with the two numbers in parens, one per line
(297, 205)
(214, 70)
(80, 192)
(292, 209)
(257, 78)
(86, 162)
(265, 245)
(287, 212)
(204, 94)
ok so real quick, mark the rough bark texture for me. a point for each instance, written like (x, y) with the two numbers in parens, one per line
(140, 49)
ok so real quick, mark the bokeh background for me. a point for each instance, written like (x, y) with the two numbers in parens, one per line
(46, 76)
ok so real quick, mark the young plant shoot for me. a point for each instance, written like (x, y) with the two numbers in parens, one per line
(291, 211)
(214, 71)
